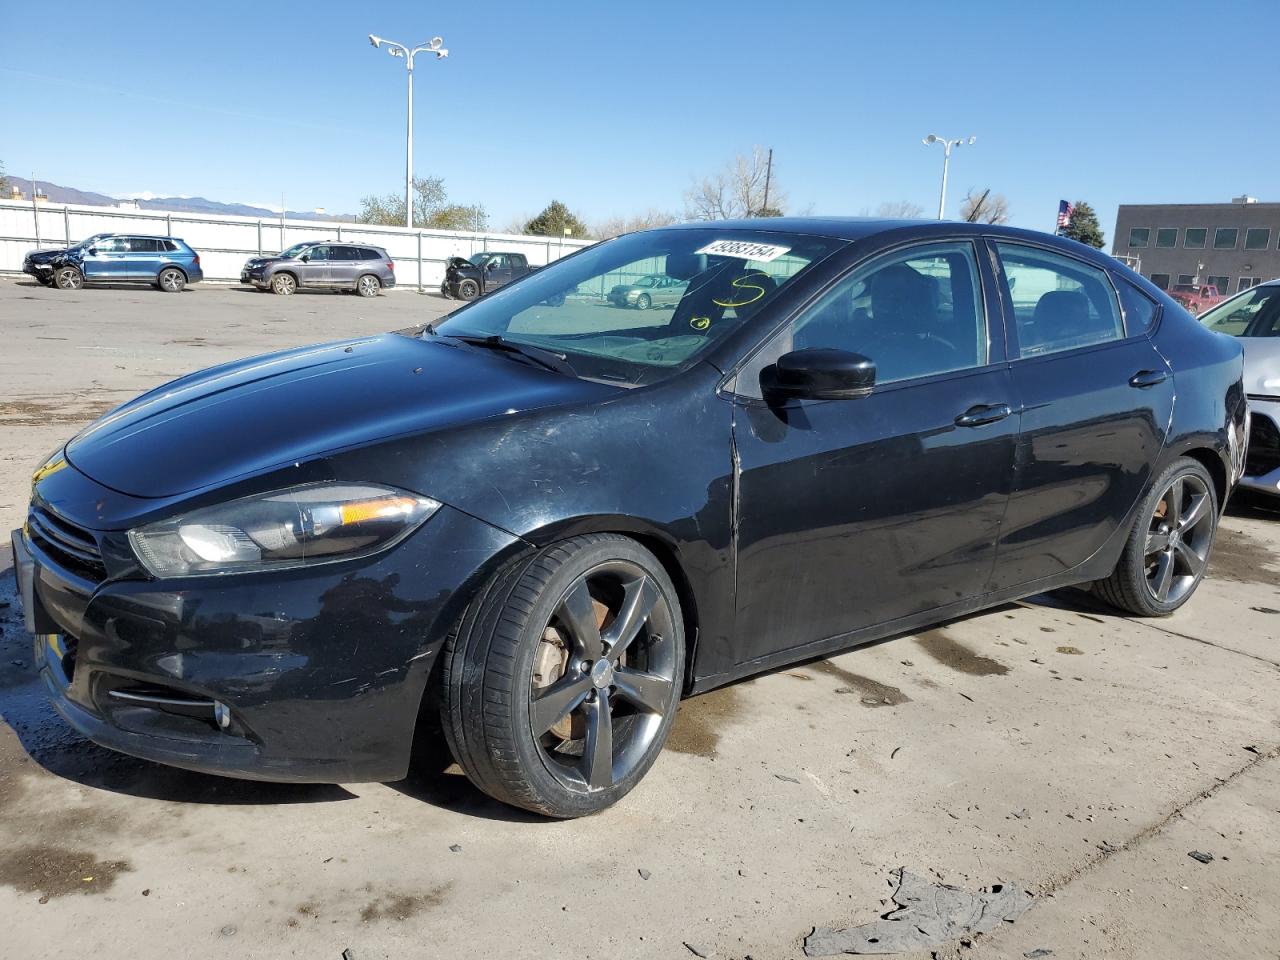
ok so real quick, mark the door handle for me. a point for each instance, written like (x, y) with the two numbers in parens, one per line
(982, 413)
(1148, 378)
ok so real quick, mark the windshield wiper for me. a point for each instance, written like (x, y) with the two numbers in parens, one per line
(547, 359)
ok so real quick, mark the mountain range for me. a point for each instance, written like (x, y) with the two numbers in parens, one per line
(60, 194)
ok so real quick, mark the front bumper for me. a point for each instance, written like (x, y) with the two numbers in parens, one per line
(1262, 457)
(312, 675)
(37, 270)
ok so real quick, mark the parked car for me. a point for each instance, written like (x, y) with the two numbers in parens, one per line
(39, 263)
(540, 529)
(467, 279)
(1253, 315)
(323, 265)
(1195, 297)
(167, 263)
(653, 290)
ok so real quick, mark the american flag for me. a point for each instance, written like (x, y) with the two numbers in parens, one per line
(1065, 210)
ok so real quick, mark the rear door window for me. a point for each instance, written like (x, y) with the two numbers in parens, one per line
(1059, 303)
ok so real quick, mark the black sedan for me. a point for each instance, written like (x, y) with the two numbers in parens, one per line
(542, 523)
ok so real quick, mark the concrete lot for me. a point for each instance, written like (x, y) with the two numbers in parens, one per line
(1049, 742)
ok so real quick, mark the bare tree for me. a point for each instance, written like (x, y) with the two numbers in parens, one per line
(895, 210)
(745, 187)
(615, 226)
(984, 207)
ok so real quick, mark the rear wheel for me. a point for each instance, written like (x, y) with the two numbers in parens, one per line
(68, 278)
(368, 285)
(562, 678)
(284, 284)
(468, 290)
(1168, 549)
(171, 280)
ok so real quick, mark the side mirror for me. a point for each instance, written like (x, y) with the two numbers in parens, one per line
(91, 250)
(490, 264)
(823, 374)
(305, 258)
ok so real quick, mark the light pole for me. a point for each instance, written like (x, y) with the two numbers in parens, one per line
(400, 50)
(946, 163)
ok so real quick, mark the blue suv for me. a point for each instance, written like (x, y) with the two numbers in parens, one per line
(164, 262)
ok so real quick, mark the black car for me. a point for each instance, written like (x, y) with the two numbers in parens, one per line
(483, 272)
(543, 522)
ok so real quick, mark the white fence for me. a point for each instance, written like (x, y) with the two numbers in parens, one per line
(224, 243)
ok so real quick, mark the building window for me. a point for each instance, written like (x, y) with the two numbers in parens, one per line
(1161, 280)
(1139, 236)
(1185, 279)
(1194, 237)
(1257, 238)
(1222, 283)
(1167, 237)
(1247, 282)
(1224, 238)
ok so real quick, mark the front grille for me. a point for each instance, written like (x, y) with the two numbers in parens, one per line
(1263, 454)
(65, 542)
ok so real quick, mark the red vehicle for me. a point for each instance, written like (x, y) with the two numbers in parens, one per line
(1196, 297)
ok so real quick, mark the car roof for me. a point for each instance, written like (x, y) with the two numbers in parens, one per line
(857, 228)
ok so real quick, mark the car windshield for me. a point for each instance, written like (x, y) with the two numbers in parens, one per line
(647, 282)
(296, 249)
(478, 259)
(731, 273)
(1255, 313)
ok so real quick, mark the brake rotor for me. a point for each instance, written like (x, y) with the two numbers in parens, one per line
(551, 660)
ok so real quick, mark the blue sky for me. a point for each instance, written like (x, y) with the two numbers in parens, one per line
(615, 108)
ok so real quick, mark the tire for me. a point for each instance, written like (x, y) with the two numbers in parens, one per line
(1157, 573)
(284, 284)
(171, 280)
(368, 285)
(468, 290)
(68, 278)
(528, 631)
(643, 302)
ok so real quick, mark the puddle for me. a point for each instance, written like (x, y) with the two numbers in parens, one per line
(873, 693)
(949, 652)
(1238, 557)
(57, 872)
(402, 906)
(697, 727)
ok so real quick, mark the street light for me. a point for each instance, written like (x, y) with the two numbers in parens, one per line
(436, 46)
(946, 162)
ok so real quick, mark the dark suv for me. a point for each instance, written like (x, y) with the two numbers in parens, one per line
(323, 265)
(164, 262)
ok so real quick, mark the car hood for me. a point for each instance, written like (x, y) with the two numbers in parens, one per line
(1261, 366)
(247, 417)
(37, 256)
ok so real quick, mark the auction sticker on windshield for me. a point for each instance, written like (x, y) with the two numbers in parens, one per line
(744, 250)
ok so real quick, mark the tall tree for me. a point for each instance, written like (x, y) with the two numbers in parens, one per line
(984, 207)
(431, 209)
(1084, 226)
(554, 220)
(4, 182)
(616, 226)
(747, 186)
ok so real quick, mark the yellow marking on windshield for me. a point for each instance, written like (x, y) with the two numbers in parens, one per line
(741, 284)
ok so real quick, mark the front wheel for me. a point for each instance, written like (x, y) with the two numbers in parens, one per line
(1168, 549)
(643, 302)
(68, 278)
(283, 284)
(368, 286)
(468, 290)
(562, 677)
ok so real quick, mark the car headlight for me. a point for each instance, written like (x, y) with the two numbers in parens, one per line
(300, 526)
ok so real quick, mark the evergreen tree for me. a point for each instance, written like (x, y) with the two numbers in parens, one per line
(1084, 226)
(554, 220)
